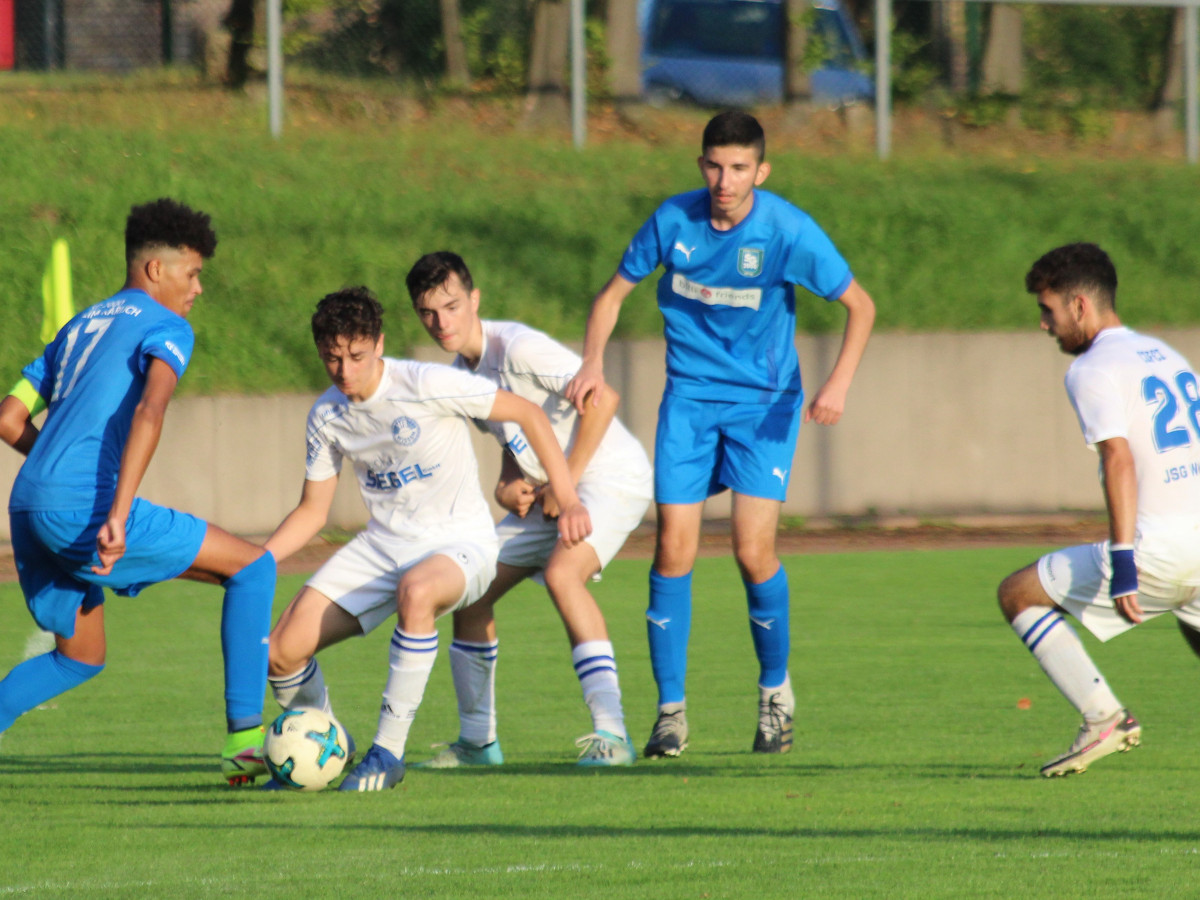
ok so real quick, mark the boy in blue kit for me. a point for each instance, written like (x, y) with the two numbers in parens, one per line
(732, 406)
(77, 526)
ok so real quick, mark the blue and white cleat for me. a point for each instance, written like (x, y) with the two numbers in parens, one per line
(603, 748)
(378, 771)
(461, 754)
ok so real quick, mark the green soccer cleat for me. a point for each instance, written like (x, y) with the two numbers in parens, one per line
(242, 759)
(603, 748)
(461, 754)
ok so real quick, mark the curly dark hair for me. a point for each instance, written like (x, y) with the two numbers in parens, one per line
(432, 270)
(350, 313)
(734, 128)
(1075, 267)
(167, 223)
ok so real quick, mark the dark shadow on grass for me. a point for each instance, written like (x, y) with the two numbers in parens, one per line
(575, 831)
(731, 765)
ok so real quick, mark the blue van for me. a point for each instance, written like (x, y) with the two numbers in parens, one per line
(731, 52)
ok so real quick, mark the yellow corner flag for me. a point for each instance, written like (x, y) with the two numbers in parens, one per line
(58, 306)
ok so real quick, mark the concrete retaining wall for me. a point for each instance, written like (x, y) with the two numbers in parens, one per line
(937, 424)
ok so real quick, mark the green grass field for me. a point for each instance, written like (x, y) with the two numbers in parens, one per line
(914, 772)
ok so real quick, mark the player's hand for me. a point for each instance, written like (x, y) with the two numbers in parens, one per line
(574, 524)
(826, 407)
(550, 507)
(517, 496)
(587, 383)
(110, 545)
(1129, 608)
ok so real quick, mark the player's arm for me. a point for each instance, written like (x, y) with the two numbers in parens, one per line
(1120, 496)
(830, 401)
(574, 523)
(304, 522)
(144, 432)
(606, 307)
(593, 425)
(16, 424)
(513, 492)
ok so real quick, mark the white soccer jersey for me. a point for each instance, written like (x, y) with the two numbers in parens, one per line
(535, 367)
(1134, 386)
(410, 444)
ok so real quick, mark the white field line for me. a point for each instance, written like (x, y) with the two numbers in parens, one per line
(162, 885)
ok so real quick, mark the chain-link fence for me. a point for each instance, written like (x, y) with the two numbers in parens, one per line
(103, 35)
(1053, 64)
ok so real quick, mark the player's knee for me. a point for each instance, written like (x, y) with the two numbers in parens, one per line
(285, 654)
(561, 577)
(1013, 594)
(418, 599)
(757, 564)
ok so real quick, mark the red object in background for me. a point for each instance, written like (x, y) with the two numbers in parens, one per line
(7, 32)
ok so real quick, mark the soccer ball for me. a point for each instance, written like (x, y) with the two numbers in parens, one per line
(305, 749)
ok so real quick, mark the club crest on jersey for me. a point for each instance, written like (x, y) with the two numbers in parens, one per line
(405, 431)
(749, 261)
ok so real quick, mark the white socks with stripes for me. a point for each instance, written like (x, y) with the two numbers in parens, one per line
(1057, 648)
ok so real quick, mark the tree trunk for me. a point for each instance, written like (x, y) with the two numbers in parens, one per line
(547, 102)
(624, 51)
(239, 22)
(1170, 88)
(950, 26)
(797, 83)
(1003, 59)
(457, 72)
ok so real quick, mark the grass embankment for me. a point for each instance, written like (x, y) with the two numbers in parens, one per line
(357, 189)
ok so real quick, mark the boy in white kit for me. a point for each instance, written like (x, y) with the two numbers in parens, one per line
(1138, 403)
(430, 545)
(613, 477)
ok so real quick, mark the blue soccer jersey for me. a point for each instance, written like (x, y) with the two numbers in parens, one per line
(728, 297)
(92, 376)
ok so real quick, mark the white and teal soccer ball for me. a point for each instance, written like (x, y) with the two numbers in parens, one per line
(305, 749)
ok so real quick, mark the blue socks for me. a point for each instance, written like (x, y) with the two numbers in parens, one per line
(36, 680)
(768, 604)
(245, 624)
(668, 625)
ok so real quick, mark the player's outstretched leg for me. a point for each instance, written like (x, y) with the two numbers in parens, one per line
(769, 630)
(668, 626)
(473, 665)
(245, 623)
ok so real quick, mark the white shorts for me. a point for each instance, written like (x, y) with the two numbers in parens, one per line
(1077, 579)
(363, 576)
(615, 511)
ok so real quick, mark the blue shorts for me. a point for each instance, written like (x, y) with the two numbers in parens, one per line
(56, 549)
(703, 447)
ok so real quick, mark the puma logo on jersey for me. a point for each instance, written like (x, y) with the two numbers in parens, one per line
(781, 474)
(764, 624)
(686, 251)
(661, 623)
